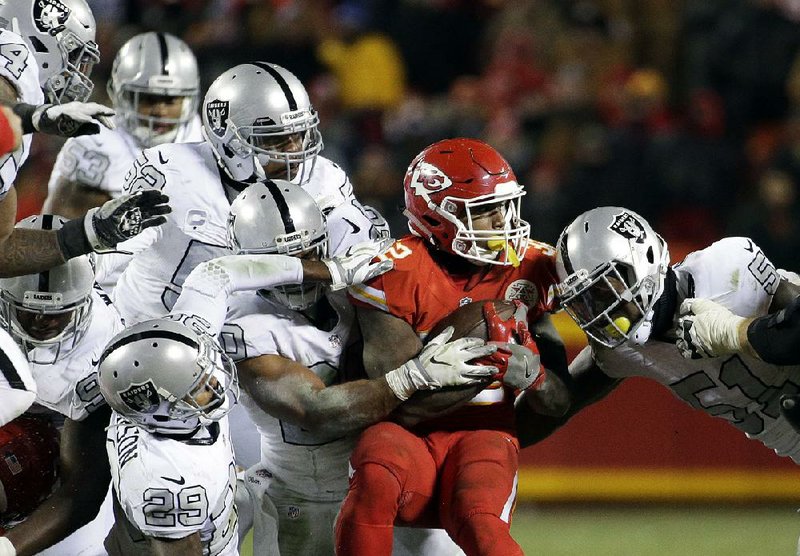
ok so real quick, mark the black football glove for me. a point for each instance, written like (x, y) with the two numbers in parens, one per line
(125, 217)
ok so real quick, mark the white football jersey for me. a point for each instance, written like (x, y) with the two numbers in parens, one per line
(171, 488)
(314, 466)
(18, 66)
(195, 230)
(69, 386)
(102, 161)
(738, 388)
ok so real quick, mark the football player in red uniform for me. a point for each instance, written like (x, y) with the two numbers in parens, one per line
(450, 460)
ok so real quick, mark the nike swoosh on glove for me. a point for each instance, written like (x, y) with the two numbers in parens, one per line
(442, 363)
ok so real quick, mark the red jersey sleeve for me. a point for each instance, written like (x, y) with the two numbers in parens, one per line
(394, 292)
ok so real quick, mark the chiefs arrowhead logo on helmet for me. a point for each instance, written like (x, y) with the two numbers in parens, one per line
(427, 178)
(626, 225)
(217, 116)
(50, 16)
(141, 397)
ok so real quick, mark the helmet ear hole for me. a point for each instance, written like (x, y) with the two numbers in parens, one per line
(433, 223)
(650, 255)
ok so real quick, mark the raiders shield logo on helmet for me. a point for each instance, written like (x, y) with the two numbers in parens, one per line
(626, 225)
(141, 397)
(217, 116)
(50, 16)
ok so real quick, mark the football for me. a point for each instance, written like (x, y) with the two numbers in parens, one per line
(468, 319)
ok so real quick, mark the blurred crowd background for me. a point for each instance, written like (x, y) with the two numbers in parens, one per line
(687, 111)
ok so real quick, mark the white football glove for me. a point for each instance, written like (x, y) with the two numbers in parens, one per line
(707, 329)
(6, 548)
(442, 363)
(72, 119)
(355, 265)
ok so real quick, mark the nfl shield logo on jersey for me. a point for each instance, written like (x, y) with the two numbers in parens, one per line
(626, 225)
(217, 115)
(50, 16)
(141, 397)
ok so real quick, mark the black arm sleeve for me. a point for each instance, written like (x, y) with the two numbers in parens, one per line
(776, 337)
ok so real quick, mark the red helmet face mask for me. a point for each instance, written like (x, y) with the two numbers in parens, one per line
(449, 185)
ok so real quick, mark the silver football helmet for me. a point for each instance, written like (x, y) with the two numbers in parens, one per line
(260, 122)
(154, 65)
(50, 309)
(61, 36)
(280, 217)
(167, 378)
(612, 266)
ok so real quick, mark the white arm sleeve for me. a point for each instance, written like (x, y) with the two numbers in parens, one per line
(115, 261)
(206, 290)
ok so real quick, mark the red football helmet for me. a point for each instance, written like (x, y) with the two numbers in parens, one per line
(28, 465)
(452, 180)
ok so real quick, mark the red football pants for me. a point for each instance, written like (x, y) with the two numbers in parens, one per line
(463, 481)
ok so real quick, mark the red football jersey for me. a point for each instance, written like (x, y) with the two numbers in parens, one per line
(421, 292)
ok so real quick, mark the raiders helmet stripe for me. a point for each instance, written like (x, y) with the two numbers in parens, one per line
(44, 277)
(155, 333)
(10, 372)
(565, 255)
(283, 206)
(281, 82)
(162, 46)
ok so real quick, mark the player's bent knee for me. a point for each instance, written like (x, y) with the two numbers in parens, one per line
(374, 487)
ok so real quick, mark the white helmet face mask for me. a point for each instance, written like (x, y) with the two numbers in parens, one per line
(485, 246)
(167, 378)
(48, 310)
(61, 34)
(150, 70)
(279, 217)
(612, 267)
(260, 122)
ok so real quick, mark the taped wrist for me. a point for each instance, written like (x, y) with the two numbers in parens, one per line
(72, 240)
(25, 113)
(401, 379)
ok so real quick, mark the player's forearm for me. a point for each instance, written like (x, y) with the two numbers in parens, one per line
(58, 517)
(429, 404)
(28, 251)
(72, 199)
(349, 407)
